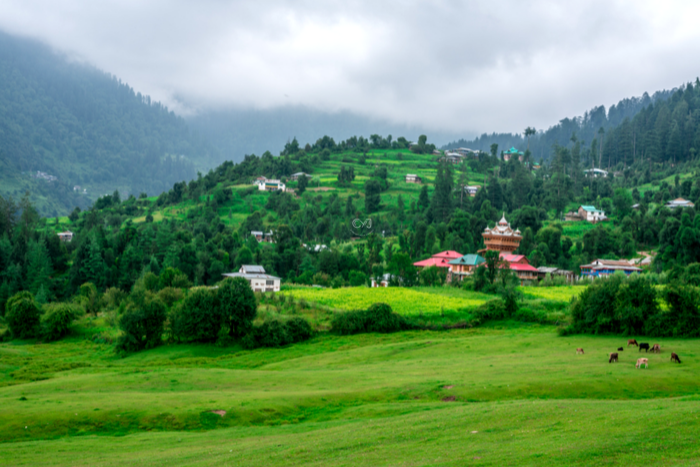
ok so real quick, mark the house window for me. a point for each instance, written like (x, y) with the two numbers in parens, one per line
(270, 282)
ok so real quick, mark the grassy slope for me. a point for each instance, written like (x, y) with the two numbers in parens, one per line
(361, 400)
(325, 181)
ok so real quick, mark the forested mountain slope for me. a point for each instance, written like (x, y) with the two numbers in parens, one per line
(587, 128)
(81, 127)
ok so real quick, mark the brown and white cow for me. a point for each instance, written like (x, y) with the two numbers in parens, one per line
(579, 351)
(613, 357)
(642, 361)
(631, 342)
(656, 348)
(674, 357)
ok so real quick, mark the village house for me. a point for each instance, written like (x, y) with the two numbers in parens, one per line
(262, 236)
(462, 267)
(472, 189)
(591, 214)
(257, 278)
(595, 173)
(297, 176)
(501, 238)
(466, 151)
(413, 178)
(66, 236)
(512, 152)
(536, 166)
(522, 268)
(270, 185)
(542, 272)
(453, 157)
(607, 267)
(679, 203)
(384, 282)
(440, 260)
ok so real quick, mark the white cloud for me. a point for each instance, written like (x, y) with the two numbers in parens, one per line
(455, 66)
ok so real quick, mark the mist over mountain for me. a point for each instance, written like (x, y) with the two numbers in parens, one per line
(238, 132)
(70, 133)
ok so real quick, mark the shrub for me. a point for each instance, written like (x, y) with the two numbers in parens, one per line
(57, 318)
(170, 295)
(142, 325)
(491, 310)
(237, 305)
(275, 333)
(113, 297)
(167, 277)
(89, 298)
(197, 317)
(181, 282)
(349, 322)
(22, 315)
(377, 318)
(299, 329)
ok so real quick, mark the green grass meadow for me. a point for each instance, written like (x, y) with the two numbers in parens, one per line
(503, 394)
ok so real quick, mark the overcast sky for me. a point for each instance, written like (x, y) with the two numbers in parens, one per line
(477, 66)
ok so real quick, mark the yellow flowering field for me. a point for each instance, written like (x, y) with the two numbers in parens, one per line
(561, 293)
(402, 300)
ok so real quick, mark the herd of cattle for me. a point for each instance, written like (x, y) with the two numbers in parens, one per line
(656, 348)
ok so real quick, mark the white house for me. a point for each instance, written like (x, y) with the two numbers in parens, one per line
(591, 214)
(265, 184)
(262, 236)
(453, 157)
(257, 278)
(595, 173)
(413, 178)
(679, 203)
(472, 189)
(465, 151)
(66, 236)
(386, 278)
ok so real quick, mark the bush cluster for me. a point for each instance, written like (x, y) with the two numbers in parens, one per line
(142, 325)
(377, 318)
(23, 316)
(276, 333)
(57, 318)
(630, 307)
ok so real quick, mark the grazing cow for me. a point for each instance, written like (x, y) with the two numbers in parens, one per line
(674, 357)
(620, 349)
(631, 342)
(613, 357)
(642, 361)
(579, 351)
(644, 346)
(656, 348)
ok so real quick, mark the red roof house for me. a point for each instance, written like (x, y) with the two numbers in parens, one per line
(440, 260)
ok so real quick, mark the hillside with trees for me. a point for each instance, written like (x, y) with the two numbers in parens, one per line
(587, 128)
(70, 133)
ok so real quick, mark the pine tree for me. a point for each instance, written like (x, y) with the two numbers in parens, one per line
(39, 269)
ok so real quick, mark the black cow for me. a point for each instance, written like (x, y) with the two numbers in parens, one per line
(644, 346)
(620, 349)
(674, 357)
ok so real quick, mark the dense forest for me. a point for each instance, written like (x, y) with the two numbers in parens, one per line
(587, 128)
(65, 125)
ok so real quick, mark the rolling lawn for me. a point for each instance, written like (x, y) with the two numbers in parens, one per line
(505, 394)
